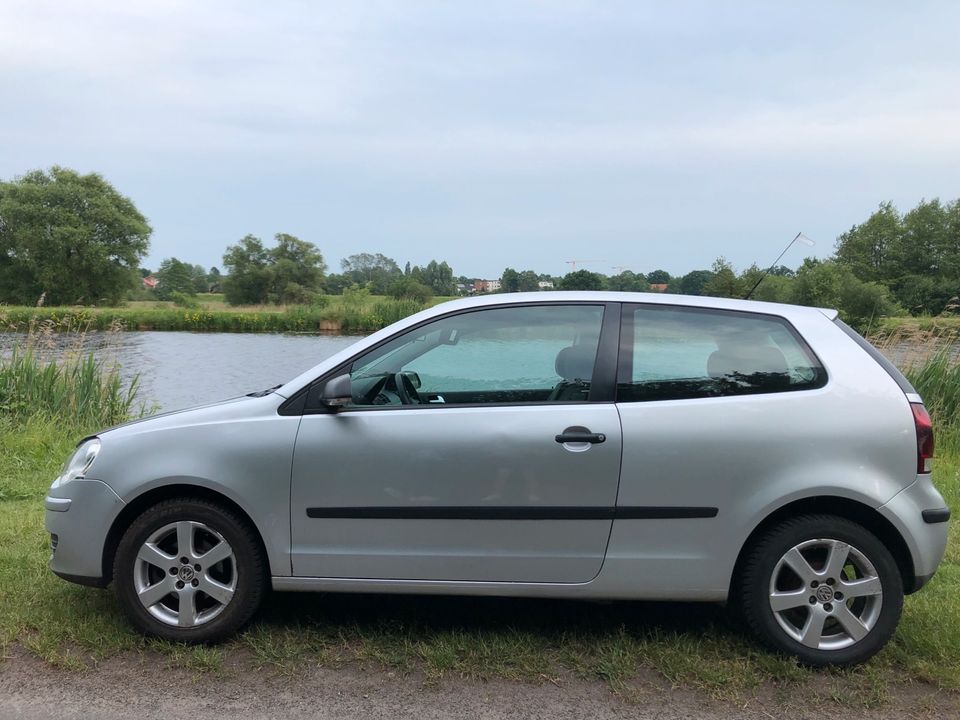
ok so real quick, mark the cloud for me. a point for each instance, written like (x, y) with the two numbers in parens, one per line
(401, 105)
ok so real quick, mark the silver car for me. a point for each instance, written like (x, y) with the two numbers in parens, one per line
(576, 445)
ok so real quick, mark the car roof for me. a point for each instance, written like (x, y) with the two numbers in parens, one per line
(444, 308)
(654, 298)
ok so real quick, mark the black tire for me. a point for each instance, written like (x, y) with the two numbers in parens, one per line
(247, 562)
(751, 595)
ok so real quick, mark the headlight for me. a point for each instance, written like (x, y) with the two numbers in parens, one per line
(79, 462)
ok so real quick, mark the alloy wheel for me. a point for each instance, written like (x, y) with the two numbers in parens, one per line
(185, 574)
(825, 594)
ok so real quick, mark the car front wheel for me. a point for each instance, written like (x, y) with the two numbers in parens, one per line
(189, 570)
(821, 588)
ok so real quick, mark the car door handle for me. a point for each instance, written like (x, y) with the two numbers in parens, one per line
(580, 437)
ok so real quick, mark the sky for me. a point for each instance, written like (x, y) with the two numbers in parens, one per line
(491, 134)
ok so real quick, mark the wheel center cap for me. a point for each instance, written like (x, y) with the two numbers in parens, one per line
(186, 574)
(824, 593)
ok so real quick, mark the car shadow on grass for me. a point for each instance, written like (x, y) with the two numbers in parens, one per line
(534, 615)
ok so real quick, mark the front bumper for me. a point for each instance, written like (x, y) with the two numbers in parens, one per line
(910, 512)
(78, 518)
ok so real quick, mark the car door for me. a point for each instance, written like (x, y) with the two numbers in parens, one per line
(483, 445)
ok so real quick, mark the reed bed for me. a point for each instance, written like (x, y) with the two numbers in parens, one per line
(69, 385)
(344, 314)
(931, 361)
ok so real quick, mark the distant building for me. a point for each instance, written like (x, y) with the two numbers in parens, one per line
(545, 284)
(150, 282)
(658, 287)
(486, 285)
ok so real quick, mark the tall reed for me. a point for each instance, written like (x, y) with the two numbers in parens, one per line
(75, 391)
(930, 361)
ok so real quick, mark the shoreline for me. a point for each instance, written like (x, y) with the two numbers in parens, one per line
(333, 317)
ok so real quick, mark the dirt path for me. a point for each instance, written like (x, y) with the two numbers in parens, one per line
(136, 687)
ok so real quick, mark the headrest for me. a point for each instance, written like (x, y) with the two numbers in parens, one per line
(576, 362)
(764, 359)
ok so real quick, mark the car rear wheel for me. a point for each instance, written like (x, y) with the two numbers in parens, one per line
(822, 588)
(189, 570)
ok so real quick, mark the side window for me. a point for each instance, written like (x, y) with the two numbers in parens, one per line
(500, 355)
(670, 353)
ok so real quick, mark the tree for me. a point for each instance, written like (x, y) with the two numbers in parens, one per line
(510, 281)
(72, 237)
(335, 283)
(290, 272)
(658, 277)
(528, 281)
(923, 245)
(436, 276)
(694, 282)
(582, 280)
(248, 272)
(865, 248)
(628, 281)
(296, 270)
(374, 271)
(214, 280)
(724, 282)
(175, 276)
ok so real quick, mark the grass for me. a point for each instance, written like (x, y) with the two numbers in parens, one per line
(353, 312)
(627, 645)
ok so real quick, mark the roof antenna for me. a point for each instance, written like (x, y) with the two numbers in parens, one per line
(799, 237)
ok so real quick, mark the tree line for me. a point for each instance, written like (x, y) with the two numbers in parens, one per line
(68, 238)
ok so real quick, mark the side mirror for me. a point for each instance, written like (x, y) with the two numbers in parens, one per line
(338, 392)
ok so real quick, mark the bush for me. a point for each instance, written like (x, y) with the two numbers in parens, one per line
(183, 300)
(409, 289)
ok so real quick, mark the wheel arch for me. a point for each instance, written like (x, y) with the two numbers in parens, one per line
(142, 502)
(849, 509)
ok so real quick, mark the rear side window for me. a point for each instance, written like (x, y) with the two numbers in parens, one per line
(672, 353)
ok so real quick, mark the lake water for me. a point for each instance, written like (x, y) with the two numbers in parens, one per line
(179, 369)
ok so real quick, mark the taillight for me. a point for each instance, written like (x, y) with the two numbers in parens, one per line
(921, 418)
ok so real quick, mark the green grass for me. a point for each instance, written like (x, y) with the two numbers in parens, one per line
(627, 645)
(349, 313)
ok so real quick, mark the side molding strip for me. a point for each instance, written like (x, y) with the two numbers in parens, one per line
(512, 513)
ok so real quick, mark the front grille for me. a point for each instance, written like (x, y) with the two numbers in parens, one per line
(53, 542)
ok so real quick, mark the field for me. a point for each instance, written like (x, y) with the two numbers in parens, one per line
(620, 644)
(356, 312)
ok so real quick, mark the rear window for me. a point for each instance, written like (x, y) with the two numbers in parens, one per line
(671, 353)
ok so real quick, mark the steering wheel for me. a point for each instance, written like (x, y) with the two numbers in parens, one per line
(405, 389)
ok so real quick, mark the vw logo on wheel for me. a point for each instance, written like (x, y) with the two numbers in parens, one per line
(186, 573)
(824, 593)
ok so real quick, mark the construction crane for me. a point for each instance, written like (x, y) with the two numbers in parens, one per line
(573, 263)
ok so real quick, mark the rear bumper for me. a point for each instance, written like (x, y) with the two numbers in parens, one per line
(919, 514)
(79, 515)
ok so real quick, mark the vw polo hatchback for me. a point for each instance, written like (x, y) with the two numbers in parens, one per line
(576, 445)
